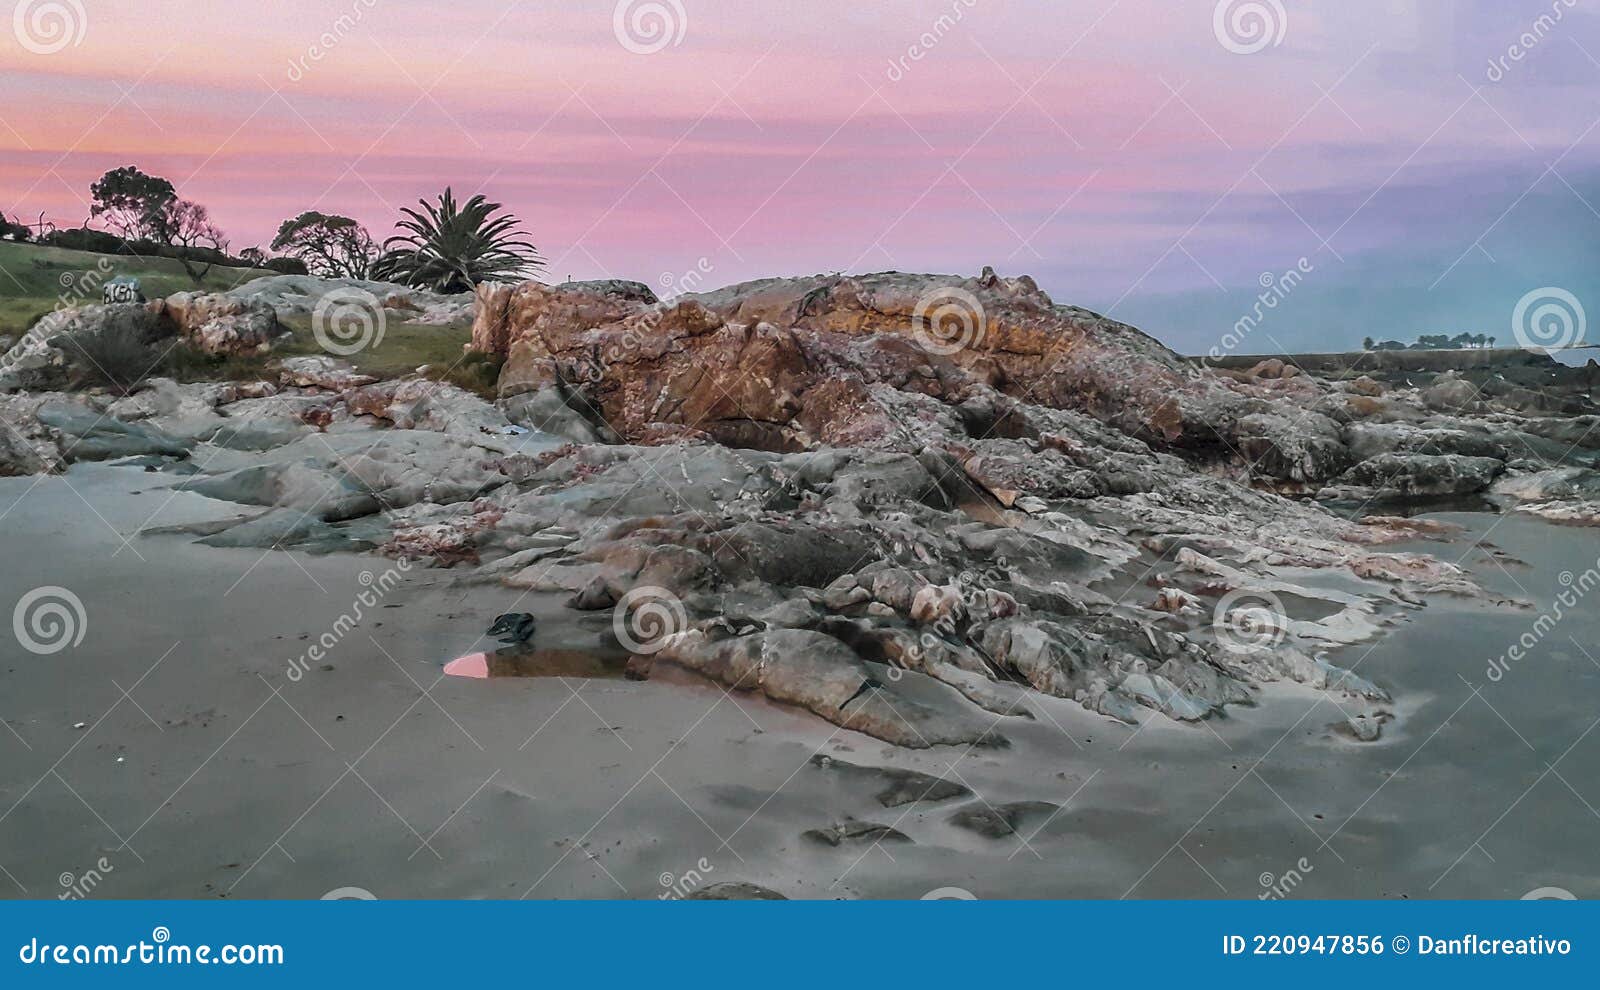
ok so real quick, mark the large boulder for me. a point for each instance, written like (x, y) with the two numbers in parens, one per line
(295, 297)
(220, 324)
(784, 363)
(825, 676)
(1406, 475)
(26, 445)
(545, 320)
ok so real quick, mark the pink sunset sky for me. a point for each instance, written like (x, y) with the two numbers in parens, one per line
(1141, 158)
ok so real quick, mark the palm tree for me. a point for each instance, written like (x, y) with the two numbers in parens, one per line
(448, 249)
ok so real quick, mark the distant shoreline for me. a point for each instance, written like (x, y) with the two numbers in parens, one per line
(1359, 362)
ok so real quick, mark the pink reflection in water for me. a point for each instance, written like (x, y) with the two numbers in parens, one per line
(471, 665)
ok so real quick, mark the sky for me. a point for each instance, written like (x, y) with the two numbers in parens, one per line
(1422, 165)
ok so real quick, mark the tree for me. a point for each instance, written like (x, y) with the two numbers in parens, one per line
(130, 202)
(1366, 343)
(17, 231)
(451, 249)
(330, 245)
(185, 228)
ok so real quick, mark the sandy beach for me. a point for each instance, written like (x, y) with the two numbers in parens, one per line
(172, 754)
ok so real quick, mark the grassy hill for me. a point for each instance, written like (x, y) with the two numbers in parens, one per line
(35, 279)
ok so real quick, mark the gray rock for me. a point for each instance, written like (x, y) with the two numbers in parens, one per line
(735, 891)
(1403, 475)
(1002, 820)
(851, 830)
(893, 787)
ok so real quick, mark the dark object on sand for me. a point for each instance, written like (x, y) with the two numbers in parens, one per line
(513, 628)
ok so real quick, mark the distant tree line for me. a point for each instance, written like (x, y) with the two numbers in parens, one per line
(1433, 342)
(445, 246)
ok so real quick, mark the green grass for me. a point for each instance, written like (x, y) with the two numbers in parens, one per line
(406, 347)
(31, 285)
(34, 279)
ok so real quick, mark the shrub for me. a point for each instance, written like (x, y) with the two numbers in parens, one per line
(287, 266)
(84, 239)
(113, 354)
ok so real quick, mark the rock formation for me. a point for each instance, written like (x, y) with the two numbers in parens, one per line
(912, 505)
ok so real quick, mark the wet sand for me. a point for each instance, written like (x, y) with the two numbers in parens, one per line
(218, 775)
